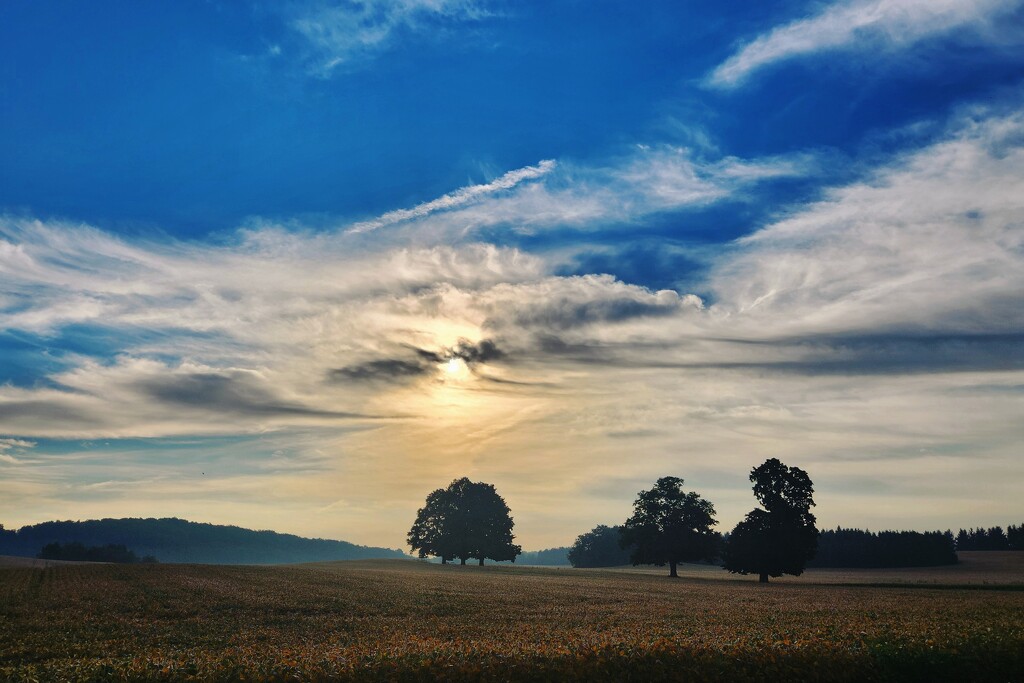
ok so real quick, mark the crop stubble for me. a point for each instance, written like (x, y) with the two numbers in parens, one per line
(410, 621)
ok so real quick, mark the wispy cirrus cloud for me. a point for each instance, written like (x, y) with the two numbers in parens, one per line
(570, 195)
(933, 241)
(862, 24)
(337, 33)
(460, 197)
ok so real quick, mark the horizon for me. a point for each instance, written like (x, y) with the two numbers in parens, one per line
(295, 267)
(525, 550)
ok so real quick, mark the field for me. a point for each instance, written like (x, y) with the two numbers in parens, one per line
(395, 620)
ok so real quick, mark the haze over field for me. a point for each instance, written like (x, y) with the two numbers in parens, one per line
(293, 266)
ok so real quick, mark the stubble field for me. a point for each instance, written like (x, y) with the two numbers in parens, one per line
(395, 620)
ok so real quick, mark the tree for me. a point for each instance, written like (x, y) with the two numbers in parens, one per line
(429, 534)
(670, 526)
(781, 538)
(467, 519)
(599, 547)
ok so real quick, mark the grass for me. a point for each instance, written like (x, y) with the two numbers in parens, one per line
(395, 620)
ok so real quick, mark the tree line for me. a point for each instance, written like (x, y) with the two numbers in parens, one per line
(839, 547)
(857, 548)
(669, 525)
(469, 520)
(993, 538)
(95, 553)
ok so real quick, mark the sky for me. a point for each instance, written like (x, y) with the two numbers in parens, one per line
(294, 265)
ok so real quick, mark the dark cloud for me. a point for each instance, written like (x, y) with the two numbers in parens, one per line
(564, 315)
(824, 355)
(236, 393)
(43, 410)
(894, 354)
(484, 352)
(422, 362)
(429, 356)
(386, 369)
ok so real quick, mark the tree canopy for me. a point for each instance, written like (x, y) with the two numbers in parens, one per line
(858, 548)
(599, 547)
(780, 538)
(466, 520)
(670, 526)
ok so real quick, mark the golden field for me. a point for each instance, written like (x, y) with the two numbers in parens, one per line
(408, 621)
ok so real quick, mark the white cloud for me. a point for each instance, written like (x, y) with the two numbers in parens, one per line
(588, 197)
(865, 24)
(339, 32)
(459, 197)
(931, 242)
(8, 445)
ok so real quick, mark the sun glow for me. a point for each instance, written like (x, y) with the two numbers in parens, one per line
(456, 368)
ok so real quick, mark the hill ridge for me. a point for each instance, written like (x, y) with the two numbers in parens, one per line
(172, 539)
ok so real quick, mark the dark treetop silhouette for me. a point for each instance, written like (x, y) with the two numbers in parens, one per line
(781, 538)
(599, 547)
(670, 526)
(467, 519)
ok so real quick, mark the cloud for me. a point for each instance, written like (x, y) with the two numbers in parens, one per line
(922, 257)
(890, 302)
(241, 393)
(8, 445)
(337, 33)
(459, 197)
(569, 195)
(388, 369)
(423, 363)
(864, 25)
(931, 243)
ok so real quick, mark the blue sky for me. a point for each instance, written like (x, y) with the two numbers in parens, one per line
(334, 255)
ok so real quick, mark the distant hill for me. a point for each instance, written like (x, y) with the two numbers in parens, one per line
(178, 540)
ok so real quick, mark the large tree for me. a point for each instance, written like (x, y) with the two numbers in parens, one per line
(466, 520)
(670, 526)
(780, 538)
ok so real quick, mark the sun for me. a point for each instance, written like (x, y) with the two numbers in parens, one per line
(456, 368)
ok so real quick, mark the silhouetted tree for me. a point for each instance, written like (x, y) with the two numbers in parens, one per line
(1015, 537)
(780, 538)
(599, 547)
(670, 526)
(466, 520)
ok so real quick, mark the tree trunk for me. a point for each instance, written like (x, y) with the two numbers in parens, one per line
(444, 560)
(481, 561)
(764, 578)
(462, 561)
(672, 569)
